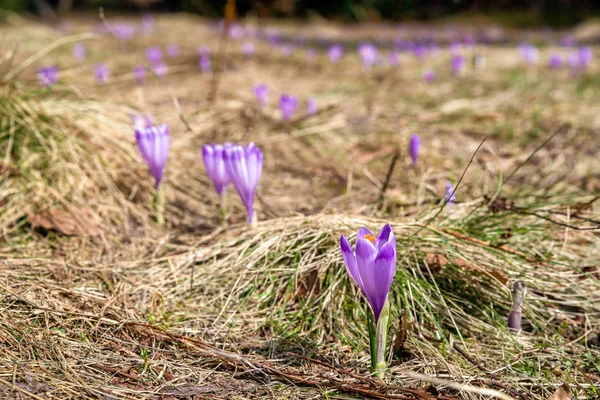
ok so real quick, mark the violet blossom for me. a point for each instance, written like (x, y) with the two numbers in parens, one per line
(429, 76)
(555, 61)
(244, 166)
(261, 92)
(368, 53)
(139, 74)
(457, 63)
(372, 266)
(79, 52)
(102, 72)
(311, 107)
(335, 52)
(47, 76)
(414, 148)
(287, 105)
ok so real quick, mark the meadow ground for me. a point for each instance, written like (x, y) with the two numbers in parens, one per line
(98, 301)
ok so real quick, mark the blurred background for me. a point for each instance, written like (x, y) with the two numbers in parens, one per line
(518, 13)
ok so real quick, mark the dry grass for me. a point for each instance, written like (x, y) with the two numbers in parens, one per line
(193, 309)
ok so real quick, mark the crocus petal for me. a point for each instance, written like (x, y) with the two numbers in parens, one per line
(383, 237)
(350, 261)
(381, 276)
(365, 255)
(362, 232)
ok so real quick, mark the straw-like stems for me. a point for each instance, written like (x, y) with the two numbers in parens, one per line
(159, 205)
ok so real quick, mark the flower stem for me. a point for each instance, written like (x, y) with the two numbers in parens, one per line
(224, 208)
(159, 205)
(379, 341)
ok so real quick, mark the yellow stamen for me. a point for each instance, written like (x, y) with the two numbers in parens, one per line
(370, 238)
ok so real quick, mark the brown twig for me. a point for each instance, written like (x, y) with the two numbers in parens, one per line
(388, 178)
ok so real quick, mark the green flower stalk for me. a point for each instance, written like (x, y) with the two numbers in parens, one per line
(372, 267)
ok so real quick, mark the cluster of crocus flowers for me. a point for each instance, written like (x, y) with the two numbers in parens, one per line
(153, 143)
(240, 165)
(372, 266)
(47, 76)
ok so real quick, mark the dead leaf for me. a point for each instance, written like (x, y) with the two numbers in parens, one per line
(562, 393)
(73, 222)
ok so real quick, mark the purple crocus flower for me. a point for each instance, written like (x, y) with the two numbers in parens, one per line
(204, 63)
(101, 71)
(457, 63)
(585, 56)
(160, 68)
(154, 54)
(139, 73)
(236, 31)
(368, 54)
(123, 31)
(172, 50)
(530, 54)
(287, 105)
(414, 148)
(153, 143)
(244, 166)
(79, 52)
(262, 94)
(212, 154)
(372, 265)
(47, 76)
(449, 196)
(248, 49)
(420, 51)
(574, 62)
(429, 76)
(311, 107)
(555, 61)
(335, 52)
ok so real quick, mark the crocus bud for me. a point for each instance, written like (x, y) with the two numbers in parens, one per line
(414, 148)
(516, 314)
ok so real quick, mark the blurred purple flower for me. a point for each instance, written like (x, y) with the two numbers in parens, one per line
(567, 41)
(530, 54)
(248, 49)
(160, 68)
(469, 40)
(420, 51)
(172, 50)
(123, 31)
(414, 148)
(139, 74)
(335, 52)
(102, 72)
(429, 76)
(287, 105)
(555, 61)
(261, 92)
(372, 265)
(368, 53)
(154, 54)
(311, 54)
(287, 50)
(47, 76)
(79, 52)
(311, 107)
(236, 31)
(212, 154)
(457, 63)
(455, 48)
(244, 166)
(204, 63)
(585, 56)
(449, 195)
(394, 58)
(153, 143)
